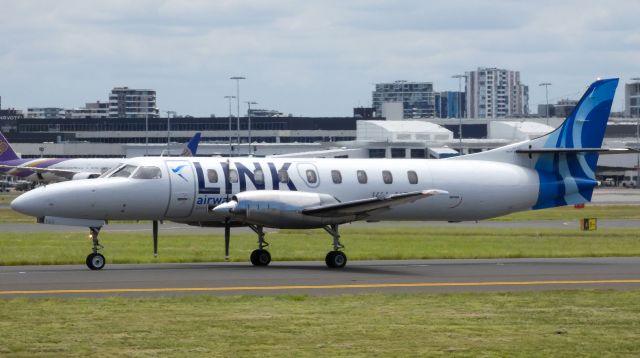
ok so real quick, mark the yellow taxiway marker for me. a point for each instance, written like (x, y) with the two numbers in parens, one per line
(315, 287)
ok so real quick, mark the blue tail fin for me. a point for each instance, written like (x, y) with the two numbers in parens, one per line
(192, 146)
(6, 152)
(569, 177)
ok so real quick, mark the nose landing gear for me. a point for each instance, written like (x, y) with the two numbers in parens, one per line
(95, 260)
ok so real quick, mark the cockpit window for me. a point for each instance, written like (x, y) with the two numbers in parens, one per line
(111, 170)
(123, 172)
(148, 173)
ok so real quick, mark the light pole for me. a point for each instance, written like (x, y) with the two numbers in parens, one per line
(249, 103)
(146, 134)
(169, 113)
(230, 146)
(546, 94)
(637, 139)
(460, 77)
(237, 79)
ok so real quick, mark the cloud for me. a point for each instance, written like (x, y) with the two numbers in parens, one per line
(307, 58)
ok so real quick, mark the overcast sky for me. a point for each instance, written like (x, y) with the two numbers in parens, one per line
(310, 58)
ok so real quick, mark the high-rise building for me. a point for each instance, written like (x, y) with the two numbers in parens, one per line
(450, 104)
(632, 99)
(495, 93)
(417, 98)
(127, 102)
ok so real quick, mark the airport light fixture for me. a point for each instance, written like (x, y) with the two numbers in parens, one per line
(169, 114)
(230, 98)
(237, 79)
(249, 103)
(546, 93)
(460, 77)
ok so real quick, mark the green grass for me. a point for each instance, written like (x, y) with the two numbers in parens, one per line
(361, 244)
(568, 213)
(8, 216)
(5, 198)
(538, 324)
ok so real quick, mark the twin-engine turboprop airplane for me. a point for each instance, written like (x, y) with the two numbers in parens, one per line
(553, 170)
(51, 170)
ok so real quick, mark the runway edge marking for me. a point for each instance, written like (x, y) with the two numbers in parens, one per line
(315, 287)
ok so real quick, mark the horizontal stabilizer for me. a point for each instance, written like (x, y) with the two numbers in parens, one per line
(364, 206)
(577, 150)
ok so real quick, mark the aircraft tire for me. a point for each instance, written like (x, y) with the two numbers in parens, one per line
(95, 261)
(260, 257)
(336, 259)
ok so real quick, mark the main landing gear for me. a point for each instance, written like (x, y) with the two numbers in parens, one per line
(260, 257)
(95, 260)
(335, 258)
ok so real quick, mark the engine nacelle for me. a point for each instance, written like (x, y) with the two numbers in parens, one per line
(80, 176)
(279, 209)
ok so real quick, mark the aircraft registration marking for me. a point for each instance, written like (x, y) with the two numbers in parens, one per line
(317, 287)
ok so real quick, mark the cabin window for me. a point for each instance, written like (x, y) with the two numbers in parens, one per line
(312, 177)
(212, 175)
(233, 176)
(258, 176)
(387, 177)
(148, 173)
(362, 177)
(283, 176)
(413, 177)
(336, 176)
(124, 172)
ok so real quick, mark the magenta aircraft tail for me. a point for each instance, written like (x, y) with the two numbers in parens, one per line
(6, 152)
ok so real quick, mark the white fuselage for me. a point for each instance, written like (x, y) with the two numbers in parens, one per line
(190, 187)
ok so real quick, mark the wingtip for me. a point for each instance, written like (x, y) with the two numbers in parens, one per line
(431, 192)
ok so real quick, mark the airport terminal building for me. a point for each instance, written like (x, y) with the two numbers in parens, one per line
(339, 137)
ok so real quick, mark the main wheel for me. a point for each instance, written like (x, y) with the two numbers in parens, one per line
(260, 257)
(336, 259)
(95, 261)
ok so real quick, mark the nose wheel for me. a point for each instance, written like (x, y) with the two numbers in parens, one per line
(95, 260)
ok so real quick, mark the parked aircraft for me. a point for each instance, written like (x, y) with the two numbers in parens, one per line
(49, 170)
(553, 170)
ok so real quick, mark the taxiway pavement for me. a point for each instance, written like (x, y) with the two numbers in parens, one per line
(315, 278)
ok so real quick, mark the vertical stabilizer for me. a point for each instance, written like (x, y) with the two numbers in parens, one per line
(191, 148)
(6, 152)
(569, 177)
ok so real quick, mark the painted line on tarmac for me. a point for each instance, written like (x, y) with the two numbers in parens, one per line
(315, 287)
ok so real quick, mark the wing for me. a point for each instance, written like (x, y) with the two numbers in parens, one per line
(362, 207)
(68, 174)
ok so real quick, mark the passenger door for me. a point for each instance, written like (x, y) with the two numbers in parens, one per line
(182, 188)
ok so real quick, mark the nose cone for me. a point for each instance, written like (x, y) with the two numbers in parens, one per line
(225, 209)
(31, 203)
